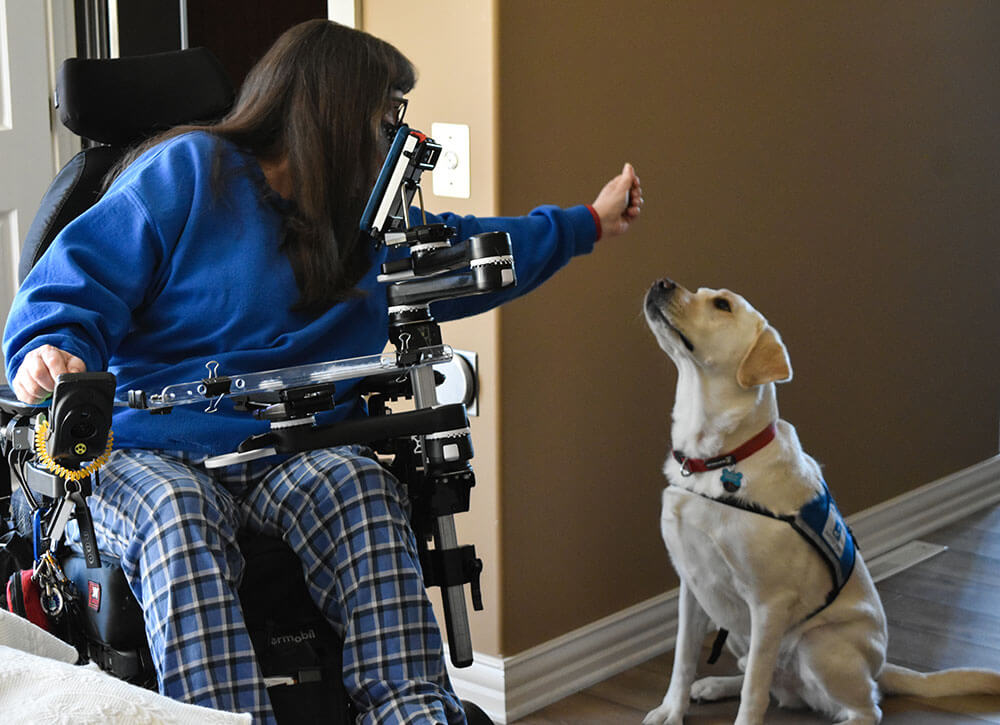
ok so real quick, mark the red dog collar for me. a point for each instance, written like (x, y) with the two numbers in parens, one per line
(701, 465)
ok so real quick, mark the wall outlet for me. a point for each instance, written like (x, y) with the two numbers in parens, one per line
(461, 380)
(452, 173)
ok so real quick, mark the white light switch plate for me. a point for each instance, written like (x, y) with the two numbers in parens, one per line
(452, 175)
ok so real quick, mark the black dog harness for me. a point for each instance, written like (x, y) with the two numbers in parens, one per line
(819, 521)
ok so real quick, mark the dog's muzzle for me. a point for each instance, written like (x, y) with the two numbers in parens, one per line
(658, 297)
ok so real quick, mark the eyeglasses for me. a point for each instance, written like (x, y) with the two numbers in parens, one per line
(393, 118)
(399, 109)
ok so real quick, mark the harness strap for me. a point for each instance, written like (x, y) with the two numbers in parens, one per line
(717, 645)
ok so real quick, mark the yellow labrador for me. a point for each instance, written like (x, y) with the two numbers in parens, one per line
(760, 548)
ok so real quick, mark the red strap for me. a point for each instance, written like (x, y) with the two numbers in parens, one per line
(701, 465)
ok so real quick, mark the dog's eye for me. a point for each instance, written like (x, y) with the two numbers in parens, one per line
(721, 303)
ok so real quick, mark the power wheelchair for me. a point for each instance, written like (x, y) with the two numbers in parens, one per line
(54, 451)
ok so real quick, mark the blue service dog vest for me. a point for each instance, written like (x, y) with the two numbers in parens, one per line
(821, 523)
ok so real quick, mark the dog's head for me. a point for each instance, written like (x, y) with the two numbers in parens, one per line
(717, 330)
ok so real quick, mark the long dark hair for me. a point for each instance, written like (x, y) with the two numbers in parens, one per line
(318, 97)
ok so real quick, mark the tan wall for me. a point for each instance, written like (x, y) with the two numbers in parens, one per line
(837, 163)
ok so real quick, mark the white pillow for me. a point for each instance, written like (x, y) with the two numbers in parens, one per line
(39, 684)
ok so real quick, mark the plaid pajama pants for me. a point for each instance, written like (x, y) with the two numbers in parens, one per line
(173, 525)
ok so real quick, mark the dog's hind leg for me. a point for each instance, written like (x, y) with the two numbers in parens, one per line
(861, 718)
(864, 711)
(837, 678)
(692, 626)
(709, 689)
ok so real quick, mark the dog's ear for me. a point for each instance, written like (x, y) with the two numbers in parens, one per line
(765, 362)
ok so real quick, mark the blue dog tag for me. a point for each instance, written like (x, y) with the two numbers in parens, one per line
(731, 480)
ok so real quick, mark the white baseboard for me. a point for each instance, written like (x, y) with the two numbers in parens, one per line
(508, 688)
(911, 515)
(511, 687)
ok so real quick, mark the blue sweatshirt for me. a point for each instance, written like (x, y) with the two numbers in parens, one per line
(163, 275)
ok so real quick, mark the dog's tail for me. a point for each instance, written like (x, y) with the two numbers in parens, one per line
(896, 680)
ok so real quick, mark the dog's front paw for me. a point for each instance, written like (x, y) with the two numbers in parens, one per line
(664, 715)
(710, 689)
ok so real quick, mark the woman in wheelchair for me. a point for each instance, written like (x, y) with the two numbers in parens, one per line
(238, 242)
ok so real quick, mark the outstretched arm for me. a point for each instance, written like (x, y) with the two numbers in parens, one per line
(546, 239)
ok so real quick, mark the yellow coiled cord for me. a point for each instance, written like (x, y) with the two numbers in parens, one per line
(42, 453)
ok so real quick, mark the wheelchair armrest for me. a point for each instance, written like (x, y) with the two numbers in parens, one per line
(12, 406)
(361, 430)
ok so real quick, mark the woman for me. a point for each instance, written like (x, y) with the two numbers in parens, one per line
(239, 243)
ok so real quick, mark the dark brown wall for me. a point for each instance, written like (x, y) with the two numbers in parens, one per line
(147, 26)
(836, 163)
(239, 32)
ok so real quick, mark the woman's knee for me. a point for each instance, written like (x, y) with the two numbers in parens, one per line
(345, 472)
(326, 490)
(157, 494)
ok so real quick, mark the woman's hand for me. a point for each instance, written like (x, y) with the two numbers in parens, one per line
(36, 378)
(618, 204)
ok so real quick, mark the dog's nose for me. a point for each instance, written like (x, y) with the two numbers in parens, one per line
(665, 286)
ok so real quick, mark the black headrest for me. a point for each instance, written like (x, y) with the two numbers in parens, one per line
(119, 101)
